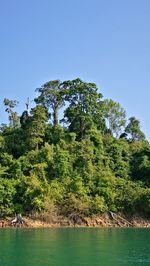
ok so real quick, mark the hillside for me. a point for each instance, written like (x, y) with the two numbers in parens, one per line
(91, 162)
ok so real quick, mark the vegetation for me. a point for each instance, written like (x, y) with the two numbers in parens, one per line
(89, 161)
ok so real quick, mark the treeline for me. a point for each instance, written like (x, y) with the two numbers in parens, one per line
(73, 152)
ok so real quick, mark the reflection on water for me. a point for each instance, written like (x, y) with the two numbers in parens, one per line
(74, 247)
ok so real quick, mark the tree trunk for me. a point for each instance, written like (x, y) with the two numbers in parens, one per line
(55, 116)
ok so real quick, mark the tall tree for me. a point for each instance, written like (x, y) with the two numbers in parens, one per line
(134, 130)
(84, 106)
(114, 115)
(36, 126)
(13, 116)
(51, 97)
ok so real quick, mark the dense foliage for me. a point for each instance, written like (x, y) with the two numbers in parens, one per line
(89, 161)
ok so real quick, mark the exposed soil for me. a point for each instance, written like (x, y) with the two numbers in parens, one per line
(74, 220)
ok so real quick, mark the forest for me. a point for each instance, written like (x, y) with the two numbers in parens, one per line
(74, 151)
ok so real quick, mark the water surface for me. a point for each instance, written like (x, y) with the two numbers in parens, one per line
(74, 247)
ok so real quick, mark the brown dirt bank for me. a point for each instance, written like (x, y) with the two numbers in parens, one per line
(102, 220)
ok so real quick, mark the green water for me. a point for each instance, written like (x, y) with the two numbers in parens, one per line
(74, 247)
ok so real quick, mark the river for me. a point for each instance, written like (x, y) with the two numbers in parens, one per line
(75, 247)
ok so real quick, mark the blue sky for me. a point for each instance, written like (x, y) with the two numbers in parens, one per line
(103, 41)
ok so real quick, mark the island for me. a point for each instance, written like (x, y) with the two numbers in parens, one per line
(73, 159)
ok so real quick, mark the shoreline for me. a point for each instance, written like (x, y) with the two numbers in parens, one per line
(105, 220)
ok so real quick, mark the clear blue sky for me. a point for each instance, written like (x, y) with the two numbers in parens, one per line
(103, 41)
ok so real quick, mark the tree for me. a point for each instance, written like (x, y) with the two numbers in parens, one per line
(13, 116)
(84, 109)
(118, 156)
(24, 119)
(114, 115)
(134, 130)
(7, 193)
(51, 97)
(36, 126)
(140, 162)
(2, 143)
(14, 141)
(128, 194)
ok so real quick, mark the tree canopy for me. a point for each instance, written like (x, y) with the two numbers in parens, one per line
(73, 152)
